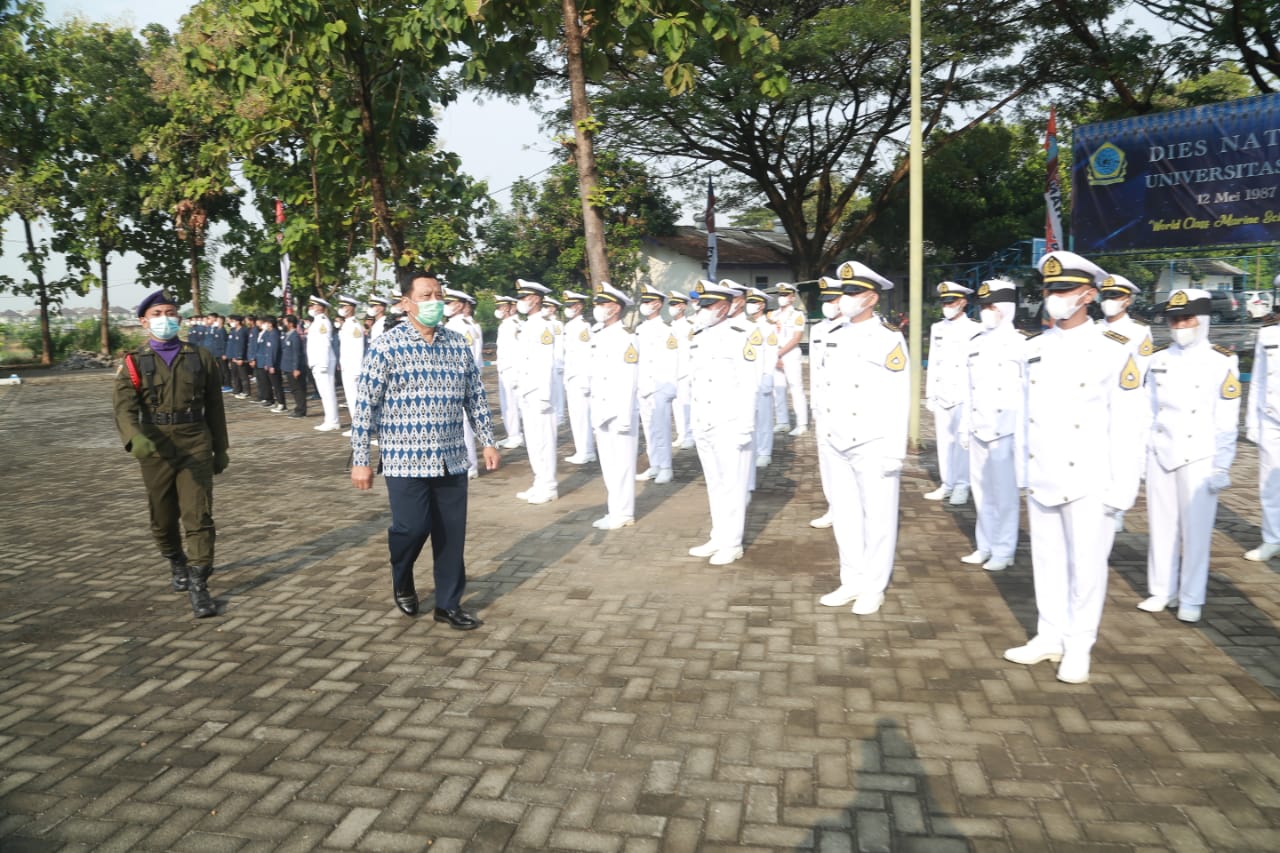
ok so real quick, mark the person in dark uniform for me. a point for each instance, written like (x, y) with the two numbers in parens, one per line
(170, 416)
(251, 356)
(237, 347)
(269, 360)
(293, 365)
(218, 346)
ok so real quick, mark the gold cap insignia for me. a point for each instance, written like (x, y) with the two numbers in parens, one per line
(896, 360)
(845, 272)
(1053, 266)
(984, 291)
(1178, 300)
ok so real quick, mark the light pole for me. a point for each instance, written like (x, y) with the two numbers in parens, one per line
(915, 233)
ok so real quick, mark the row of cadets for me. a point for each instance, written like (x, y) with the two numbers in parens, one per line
(829, 293)
(323, 361)
(550, 312)
(1262, 427)
(533, 382)
(865, 398)
(764, 337)
(612, 380)
(656, 384)
(458, 309)
(682, 328)
(577, 378)
(351, 347)
(788, 377)
(945, 390)
(507, 358)
(1117, 294)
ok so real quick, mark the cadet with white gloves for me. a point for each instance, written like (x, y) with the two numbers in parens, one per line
(993, 410)
(723, 413)
(682, 328)
(457, 311)
(829, 293)
(656, 389)
(788, 376)
(1078, 453)
(1118, 294)
(613, 372)
(507, 359)
(534, 384)
(322, 360)
(1194, 389)
(945, 392)
(577, 378)
(865, 402)
(1262, 427)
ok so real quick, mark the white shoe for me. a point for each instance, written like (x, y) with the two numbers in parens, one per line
(524, 496)
(1034, 652)
(328, 428)
(800, 430)
(1188, 613)
(1119, 522)
(687, 444)
(1262, 553)
(472, 473)
(725, 556)
(839, 597)
(763, 461)
(242, 396)
(822, 522)
(1154, 604)
(995, 564)
(977, 558)
(646, 474)
(277, 408)
(706, 549)
(868, 603)
(665, 475)
(346, 433)
(938, 494)
(513, 443)
(609, 523)
(575, 459)
(1074, 668)
(960, 496)
(542, 497)
(781, 428)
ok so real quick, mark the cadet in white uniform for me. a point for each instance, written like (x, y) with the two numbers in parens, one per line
(945, 390)
(377, 309)
(550, 312)
(577, 378)
(865, 401)
(1195, 407)
(612, 376)
(829, 293)
(722, 415)
(764, 337)
(534, 382)
(1262, 427)
(682, 328)
(321, 359)
(351, 341)
(457, 308)
(790, 322)
(1117, 297)
(1078, 453)
(993, 410)
(659, 366)
(506, 357)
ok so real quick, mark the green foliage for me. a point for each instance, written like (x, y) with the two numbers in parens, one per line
(20, 342)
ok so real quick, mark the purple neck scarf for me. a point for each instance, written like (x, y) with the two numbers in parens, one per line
(168, 350)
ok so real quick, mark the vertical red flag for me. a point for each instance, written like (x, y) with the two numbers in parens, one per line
(284, 259)
(1052, 189)
(713, 253)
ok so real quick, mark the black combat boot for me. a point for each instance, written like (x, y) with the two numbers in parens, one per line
(178, 567)
(201, 604)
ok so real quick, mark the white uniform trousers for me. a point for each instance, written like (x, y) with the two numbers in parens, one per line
(1069, 547)
(557, 395)
(350, 375)
(680, 409)
(827, 455)
(953, 460)
(794, 372)
(727, 470)
(1180, 516)
(540, 441)
(509, 403)
(765, 418)
(995, 495)
(864, 514)
(578, 405)
(1269, 479)
(780, 416)
(323, 378)
(617, 454)
(655, 419)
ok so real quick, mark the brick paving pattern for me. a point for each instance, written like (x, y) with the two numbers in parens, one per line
(621, 695)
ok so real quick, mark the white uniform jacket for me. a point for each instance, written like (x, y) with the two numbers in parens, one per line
(577, 352)
(535, 363)
(613, 371)
(320, 356)
(945, 382)
(659, 358)
(764, 337)
(1264, 388)
(995, 363)
(1195, 405)
(724, 382)
(866, 388)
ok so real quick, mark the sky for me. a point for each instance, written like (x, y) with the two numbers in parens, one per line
(499, 142)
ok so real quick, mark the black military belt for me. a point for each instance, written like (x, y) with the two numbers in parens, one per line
(167, 418)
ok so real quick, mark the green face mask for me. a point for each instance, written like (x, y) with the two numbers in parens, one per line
(430, 313)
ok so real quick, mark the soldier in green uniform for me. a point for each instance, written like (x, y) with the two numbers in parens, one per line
(168, 407)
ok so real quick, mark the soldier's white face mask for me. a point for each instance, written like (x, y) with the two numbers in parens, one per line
(710, 315)
(601, 313)
(1112, 307)
(753, 309)
(952, 311)
(571, 312)
(649, 309)
(450, 309)
(524, 306)
(991, 317)
(855, 305)
(830, 310)
(1061, 307)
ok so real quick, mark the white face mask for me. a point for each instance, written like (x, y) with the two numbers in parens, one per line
(601, 313)
(677, 311)
(1061, 307)
(1112, 307)
(649, 309)
(853, 306)
(991, 317)
(753, 309)
(830, 310)
(708, 317)
(952, 311)
(1185, 337)
(786, 301)
(572, 312)
(499, 314)
(524, 306)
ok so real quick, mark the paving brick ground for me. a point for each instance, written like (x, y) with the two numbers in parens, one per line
(620, 697)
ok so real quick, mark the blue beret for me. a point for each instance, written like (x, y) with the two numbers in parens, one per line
(157, 298)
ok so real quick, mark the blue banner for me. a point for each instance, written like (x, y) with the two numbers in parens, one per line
(1202, 176)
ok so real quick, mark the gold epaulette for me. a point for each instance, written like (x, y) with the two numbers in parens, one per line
(1160, 348)
(1271, 320)
(1222, 350)
(890, 326)
(1115, 336)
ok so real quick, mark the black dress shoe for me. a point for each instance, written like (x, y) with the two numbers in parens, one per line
(296, 414)
(407, 602)
(457, 618)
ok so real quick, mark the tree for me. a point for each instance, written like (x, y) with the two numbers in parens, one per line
(1249, 29)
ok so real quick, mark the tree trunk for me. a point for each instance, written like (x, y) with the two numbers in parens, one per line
(195, 277)
(37, 269)
(105, 336)
(583, 149)
(373, 162)
(315, 209)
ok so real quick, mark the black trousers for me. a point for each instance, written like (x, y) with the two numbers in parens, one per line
(277, 386)
(224, 370)
(432, 508)
(264, 385)
(298, 387)
(240, 375)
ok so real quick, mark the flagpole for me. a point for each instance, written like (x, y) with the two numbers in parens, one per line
(284, 259)
(1052, 188)
(915, 233)
(713, 252)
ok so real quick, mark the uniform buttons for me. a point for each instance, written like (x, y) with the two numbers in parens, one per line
(1193, 411)
(1077, 426)
(1032, 456)
(1071, 464)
